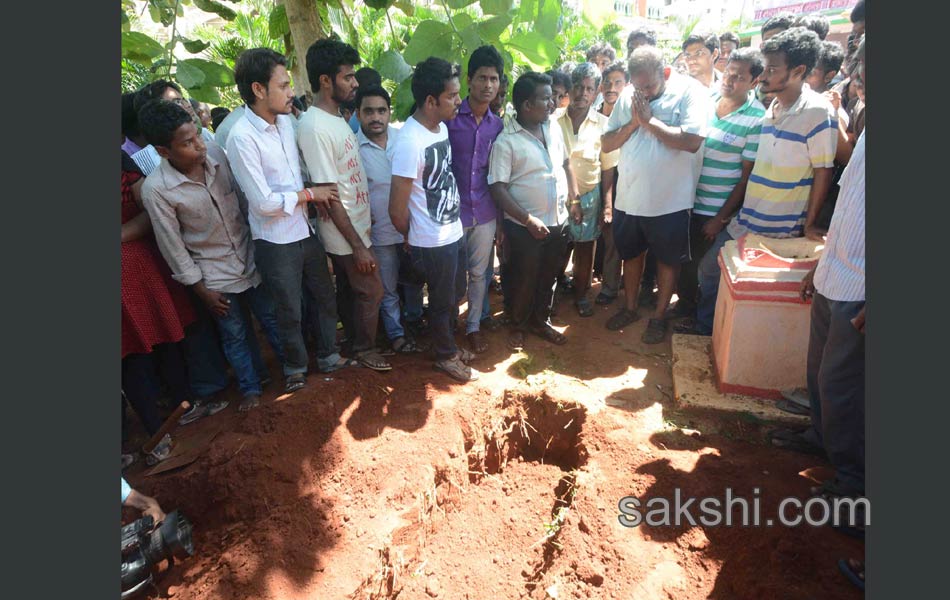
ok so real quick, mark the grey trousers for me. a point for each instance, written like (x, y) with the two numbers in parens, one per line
(291, 270)
(613, 266)
(836, 387)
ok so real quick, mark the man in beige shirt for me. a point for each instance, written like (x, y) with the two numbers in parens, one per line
(193, 203)
(330, 151)
(531, 180)
(583, 127)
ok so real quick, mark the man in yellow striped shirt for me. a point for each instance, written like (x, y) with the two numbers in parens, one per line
(794, 163)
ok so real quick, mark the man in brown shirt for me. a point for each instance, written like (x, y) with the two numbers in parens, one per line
(194, 206)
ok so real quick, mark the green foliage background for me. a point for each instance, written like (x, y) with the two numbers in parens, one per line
(391, 36)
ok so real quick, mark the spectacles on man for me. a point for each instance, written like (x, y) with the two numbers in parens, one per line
(696, 55)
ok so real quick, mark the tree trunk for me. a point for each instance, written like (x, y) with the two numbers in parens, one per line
(305, 29)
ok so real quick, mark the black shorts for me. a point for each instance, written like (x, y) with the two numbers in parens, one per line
(665, 236)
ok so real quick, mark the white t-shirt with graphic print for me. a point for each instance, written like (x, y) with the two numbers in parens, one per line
(426, 157)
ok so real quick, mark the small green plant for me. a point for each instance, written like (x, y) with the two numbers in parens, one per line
(522, 365)
(552, 528)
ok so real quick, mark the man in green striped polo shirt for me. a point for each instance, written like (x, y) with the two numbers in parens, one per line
(728, 155)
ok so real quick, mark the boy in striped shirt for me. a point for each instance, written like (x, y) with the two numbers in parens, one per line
(728, 155)
(794, 163)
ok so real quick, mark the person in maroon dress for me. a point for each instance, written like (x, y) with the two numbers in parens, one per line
(155, 311)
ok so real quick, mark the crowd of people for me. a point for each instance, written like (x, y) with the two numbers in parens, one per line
(299, 215)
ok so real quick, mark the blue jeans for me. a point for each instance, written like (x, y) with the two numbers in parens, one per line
(207, 367)
(445, 275)
(390, 259)
(412, 301)
(489, 276)
(709, 283)
(479, 241)
(290, 270)
(239, 340)
(387, 257)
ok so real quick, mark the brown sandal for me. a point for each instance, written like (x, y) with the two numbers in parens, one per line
(372, 360)
(550, 334)
(477, 342)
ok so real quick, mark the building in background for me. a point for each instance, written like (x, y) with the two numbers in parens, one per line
(708, 14)
(628, 8)
(837, 11)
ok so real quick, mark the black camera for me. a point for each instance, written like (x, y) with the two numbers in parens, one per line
(144, 546)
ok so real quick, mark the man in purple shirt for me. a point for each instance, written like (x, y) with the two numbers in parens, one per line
(471, 134)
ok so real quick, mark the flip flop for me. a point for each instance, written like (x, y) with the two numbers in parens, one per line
(340, 364)
(789, 439)
(405, 345)
(792, 407)
(795, 401)
(477, 342)
(623, 318)
(584, 308)
(372, 360)
(161, 452)
(466, 356)
(844, 566)
(689, 326)
(550, 334)
(831, 492)
(515, 340)
(655, 332)
(456, 369)
(295, 382)
(249, 402)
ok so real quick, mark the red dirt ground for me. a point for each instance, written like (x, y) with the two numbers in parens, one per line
(407, 485)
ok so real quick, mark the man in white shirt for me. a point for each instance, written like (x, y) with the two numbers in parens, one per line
(424, 205)
(264, 158)
(701, 50)
(331, 156)
(659, 124)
